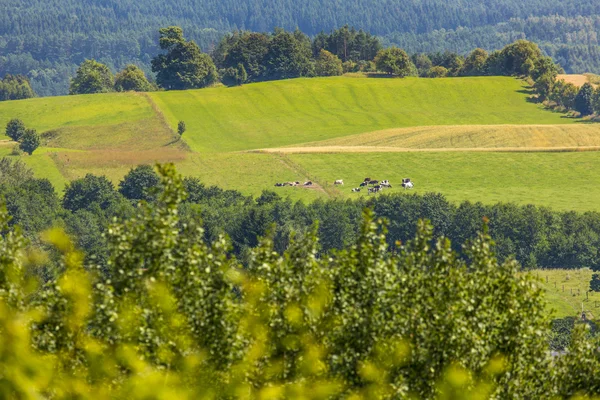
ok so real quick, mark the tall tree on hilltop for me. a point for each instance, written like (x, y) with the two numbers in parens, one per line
(475, 63)
(132, 78)
(328, 64)
(289, 56)
(520, 57)
(394, 61)
(183, 66)
(246, 48)
(92, 77)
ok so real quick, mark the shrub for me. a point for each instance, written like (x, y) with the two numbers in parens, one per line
(181, 128)
(16, 150)
(437, 72)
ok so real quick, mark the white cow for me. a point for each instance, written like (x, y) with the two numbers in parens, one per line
(339, 182)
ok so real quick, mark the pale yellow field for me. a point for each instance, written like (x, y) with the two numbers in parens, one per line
(465, 137)
(576, 79)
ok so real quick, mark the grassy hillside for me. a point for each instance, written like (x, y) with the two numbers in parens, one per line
(274, 114)
(325, 129)
(563, 181)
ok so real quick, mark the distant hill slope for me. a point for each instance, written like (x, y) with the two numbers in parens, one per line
(46, 39)
(283, 113)
(339, 128)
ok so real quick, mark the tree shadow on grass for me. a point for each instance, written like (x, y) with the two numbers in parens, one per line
(380, 75)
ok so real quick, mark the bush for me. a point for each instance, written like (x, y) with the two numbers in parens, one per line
(181, 128)
(437, 72)
(349, 66)
(16, 150)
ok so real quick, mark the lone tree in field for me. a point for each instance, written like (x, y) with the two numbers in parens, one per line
(132, 78)
(183, 66)
(30, 141)
(181, 128)
(394, 61)
(15, 129)
(92, 77)
(584, 100)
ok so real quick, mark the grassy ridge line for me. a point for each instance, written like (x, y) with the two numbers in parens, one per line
(292, 112)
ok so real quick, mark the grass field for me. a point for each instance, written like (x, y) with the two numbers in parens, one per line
(475, 137)
(566, 292)
(562, 181)
(282, 113)
(324, 129)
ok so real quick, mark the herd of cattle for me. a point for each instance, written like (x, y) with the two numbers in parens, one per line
(308, 183)
(372, 185)
(375, 186)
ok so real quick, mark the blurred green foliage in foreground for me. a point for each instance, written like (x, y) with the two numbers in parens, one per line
(168, 316)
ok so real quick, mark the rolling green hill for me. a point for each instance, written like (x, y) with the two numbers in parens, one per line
(322, 129)
(281, 113)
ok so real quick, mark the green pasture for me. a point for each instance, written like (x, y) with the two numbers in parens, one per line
(562, 181)
(566, 292)
(48, 113)
(110, 133)
(281, 113)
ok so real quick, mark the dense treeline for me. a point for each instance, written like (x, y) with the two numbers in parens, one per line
(572, 42)
(48, 40)
(167, 315)
(535, 236)
(251, 57)
(15, 88)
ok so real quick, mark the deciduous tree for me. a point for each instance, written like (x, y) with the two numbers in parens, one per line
(30, 141)
(328, 64)
(132, 78)
(394, 61)
(15, 129)
(183, 66)
(584, 100)
(92, 77)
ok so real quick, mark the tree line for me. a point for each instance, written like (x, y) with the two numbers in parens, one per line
(169, 315)
(37, 41)
(536, 237)
(251, 57)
